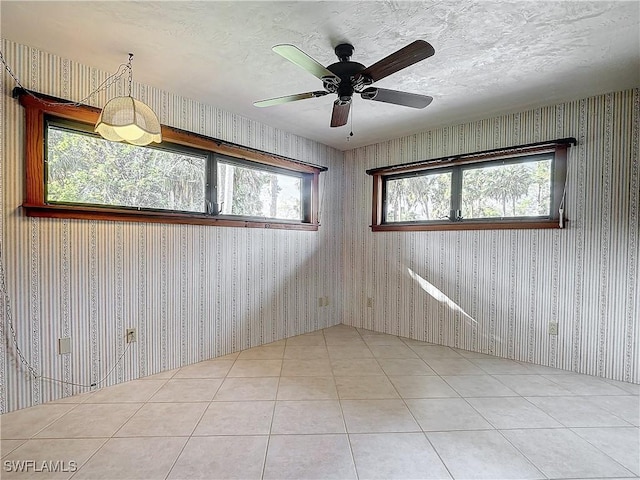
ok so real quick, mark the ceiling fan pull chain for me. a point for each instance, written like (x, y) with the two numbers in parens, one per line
(351, 133)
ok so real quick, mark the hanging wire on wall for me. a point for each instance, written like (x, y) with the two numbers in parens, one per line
(4, 295)
(123, 69)
(123, 118)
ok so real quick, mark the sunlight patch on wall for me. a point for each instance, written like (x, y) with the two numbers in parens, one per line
(438, 295)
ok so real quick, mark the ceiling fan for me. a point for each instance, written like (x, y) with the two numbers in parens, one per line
(345, 78)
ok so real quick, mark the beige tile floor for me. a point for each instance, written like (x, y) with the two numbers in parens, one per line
(338, 403)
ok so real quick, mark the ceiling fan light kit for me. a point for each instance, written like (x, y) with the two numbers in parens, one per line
(344, 78)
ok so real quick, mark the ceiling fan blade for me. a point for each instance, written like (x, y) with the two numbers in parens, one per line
(403, 58)
(297, 56)
(398, 98)
(288, 98)
(340, 113)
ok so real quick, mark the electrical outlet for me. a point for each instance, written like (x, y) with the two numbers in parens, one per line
(132, 335)
(64, 345)
(369, 302)
(553, 328)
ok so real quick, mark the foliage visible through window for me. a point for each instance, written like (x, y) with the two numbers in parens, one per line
(84, 169)
(504, 188)
(500, 191)
(71, 172)
(516, 189)
(426, 197)
(258, 193)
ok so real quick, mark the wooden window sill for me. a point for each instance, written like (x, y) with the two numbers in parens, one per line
(126, 215)
(468, 225)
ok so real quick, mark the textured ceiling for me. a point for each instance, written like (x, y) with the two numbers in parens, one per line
(491, 57)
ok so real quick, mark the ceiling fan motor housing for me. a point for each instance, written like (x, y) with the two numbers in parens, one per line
(347, 71)
(344, 51)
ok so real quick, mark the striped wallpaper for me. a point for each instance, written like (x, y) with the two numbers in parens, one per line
(496, 291)
(192, 292)
(196, 292)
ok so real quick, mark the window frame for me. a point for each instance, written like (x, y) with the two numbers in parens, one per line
(400, 176)
(557, 149)
(306, 186)
(88, 130)
(40, 110)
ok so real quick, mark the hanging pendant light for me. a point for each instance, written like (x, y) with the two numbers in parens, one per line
(125, 119)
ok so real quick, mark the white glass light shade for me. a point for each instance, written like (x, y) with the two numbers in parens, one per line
(125, 119)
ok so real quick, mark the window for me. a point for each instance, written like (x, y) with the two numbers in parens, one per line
(256, 192)
(518, 187)
(507, 190)
(74, 173)
(418, 198)
(85, 169)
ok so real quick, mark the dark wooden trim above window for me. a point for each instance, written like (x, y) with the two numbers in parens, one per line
(481, 156)
(38, 107)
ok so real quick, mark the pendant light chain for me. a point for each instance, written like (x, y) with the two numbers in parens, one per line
(123, 69)
(130, 67)
(133, 121)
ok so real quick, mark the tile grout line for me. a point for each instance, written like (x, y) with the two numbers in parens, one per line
(539, 469)
(33, 437)
(516, 395)
(344, 421)
(273, 415)
(106, 439)
(424, 434)
(598, 448)
(190, 436)
(575, 426)
(21, 442)
(479, 413)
